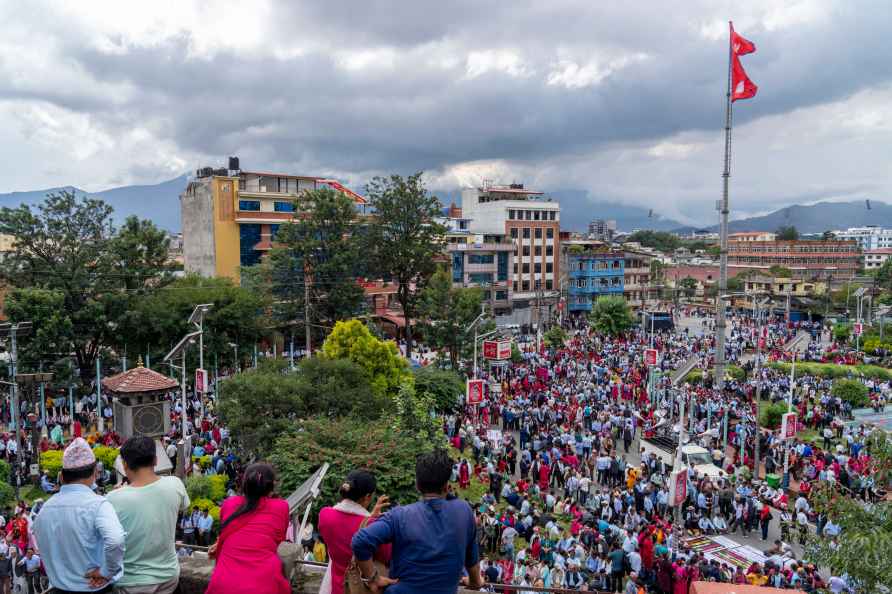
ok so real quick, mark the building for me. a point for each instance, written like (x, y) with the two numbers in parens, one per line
(874, 259)
(639, 288)
(480, 261)
(783, 286)
(752, 236)
(805, 258)
(230, 217)
(592, 274)
(869, 238)
(602, 229)
(532, 223)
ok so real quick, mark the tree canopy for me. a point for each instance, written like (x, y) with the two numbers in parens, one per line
(448, 312)
(787, 233)
(381, 359)
(611, 315)
(660, 240)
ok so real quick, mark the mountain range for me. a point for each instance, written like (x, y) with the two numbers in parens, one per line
(160, 203)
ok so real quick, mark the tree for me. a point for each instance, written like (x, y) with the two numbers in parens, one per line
(320, 248)
(381, 359)
(883, 275)
(404, 239)
(70, 248)
(555, 337)
(828, 236)
(448, 312)
(259, 405)
(689, 285)
(778, 271)
(660, 240)
(443, 385)
(852, 391)
(611, 315)
(787, 233)
(770, 415)
(157, 321)
(657, 271)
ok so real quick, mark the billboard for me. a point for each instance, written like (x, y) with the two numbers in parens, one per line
(650, 356)
(678, 487)
(474, 391)
(201, 380)
(497, 349)
(857, 328)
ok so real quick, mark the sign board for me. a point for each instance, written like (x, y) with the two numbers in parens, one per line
(494, 436)
(35, 469)
(187, 454)
(650, 356)
(788, 425)
(201, 380)
(678, 487)
(857, 328)
(474, 393)
(497, 349)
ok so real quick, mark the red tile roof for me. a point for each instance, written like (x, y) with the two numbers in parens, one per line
(138, 379)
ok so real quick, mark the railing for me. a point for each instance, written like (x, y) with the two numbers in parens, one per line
(683, 370)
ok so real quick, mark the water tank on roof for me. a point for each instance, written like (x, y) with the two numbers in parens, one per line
(516, 186)
(233, 164)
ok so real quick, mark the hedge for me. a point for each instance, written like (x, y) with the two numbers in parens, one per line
(51, 462)
(833, 371)
(212, 508)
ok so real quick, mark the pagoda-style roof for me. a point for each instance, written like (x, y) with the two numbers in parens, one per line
(138, 380)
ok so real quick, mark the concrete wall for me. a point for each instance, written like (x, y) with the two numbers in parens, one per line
(197, 210)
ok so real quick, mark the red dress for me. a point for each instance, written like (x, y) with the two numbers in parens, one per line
(248, 559)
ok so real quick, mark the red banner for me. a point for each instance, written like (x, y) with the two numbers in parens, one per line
(474, 391)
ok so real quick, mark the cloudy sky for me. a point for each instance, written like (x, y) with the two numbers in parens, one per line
(624, 100)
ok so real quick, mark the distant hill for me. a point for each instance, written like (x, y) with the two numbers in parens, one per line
(159, 202)
(815, 218)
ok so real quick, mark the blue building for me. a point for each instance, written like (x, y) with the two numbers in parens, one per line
(592, 274)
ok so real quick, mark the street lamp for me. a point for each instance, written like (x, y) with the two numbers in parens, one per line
(180, 349)
(474, 326)
(197, 320)
(234, 354)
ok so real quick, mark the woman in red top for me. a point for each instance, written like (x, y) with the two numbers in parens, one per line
(253, 526)
(338, 524)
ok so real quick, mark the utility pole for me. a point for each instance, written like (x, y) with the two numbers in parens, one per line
(538, 317)
(786, 482)
(14, 331)
(758, 309)
(308, 345)
(100, 421)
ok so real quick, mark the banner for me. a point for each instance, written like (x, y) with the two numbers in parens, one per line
(857, 328)
(788, 425)
(474, 393)
(678, 487)
(201, 380)
(497, 349)
(650, 356)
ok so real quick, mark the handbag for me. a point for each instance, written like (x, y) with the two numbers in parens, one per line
(353, 583)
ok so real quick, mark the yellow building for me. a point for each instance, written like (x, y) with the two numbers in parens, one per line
(231, 217)
(783, 286)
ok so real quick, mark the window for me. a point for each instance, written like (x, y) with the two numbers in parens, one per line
(501, 295)
(580, 265)
(537, 251)
(580, 283)
(513, 232)
(538, 232)
(525, 285)
(536, 215)
(480, 278)
(526, 232)
(549, 250)
(615, 281)
(537, 267)
(515, 268)
(515, 286)
(503, 266)
(549, 284)
(529, 215)
(549, 233)
(549, 267)
(249, 205)
(526, 268)
(481, 258)
(273, 231)
(458, 267)
(526, 250)
(249, 236)
(511, 214)
(283, 206)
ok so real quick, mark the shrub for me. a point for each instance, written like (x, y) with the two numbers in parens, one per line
(198, 486)
(735, 372)
(51, 462)
(695, 376)
(851, 391)
(770, 415)
(7, 495)
(106, 455)
(841, 332)
(443, 385)
(5, 471)
(218, 487)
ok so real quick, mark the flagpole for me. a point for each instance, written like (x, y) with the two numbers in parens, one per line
(723, 246)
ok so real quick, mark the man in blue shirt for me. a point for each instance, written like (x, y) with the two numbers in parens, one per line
(80, 538)
(434, 540)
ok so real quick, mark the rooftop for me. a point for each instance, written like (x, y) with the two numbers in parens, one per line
(139, 379)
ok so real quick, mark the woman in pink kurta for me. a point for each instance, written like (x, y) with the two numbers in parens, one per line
(339, 523)
(253, 526)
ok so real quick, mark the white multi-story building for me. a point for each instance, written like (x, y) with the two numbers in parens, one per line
(532, 223)
(874, 259)
(869, 238)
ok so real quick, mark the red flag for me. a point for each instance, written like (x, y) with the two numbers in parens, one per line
(741, 85)
(740, 45)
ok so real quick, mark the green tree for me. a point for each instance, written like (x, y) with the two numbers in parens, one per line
(660, 240)
(381, 359)
(883, 275)
(610, 315)
(770, 415)
(404, 239)
(157, 321)
(852, 391)
(828, 236)
(780, 271)
(448, 312)
(555, 337)
(347, 444)
(688, 285)
(70, 247)
(443, 385)
(787, 233)
(319, 248)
